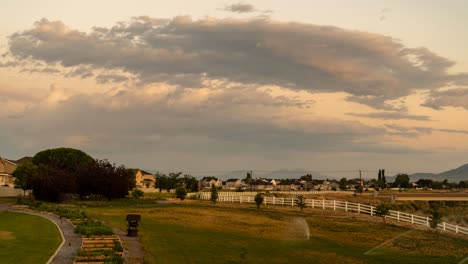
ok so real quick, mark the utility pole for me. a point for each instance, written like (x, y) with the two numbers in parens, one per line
(360, 178)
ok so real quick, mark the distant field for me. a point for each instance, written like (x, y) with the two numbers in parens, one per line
(27, 238)
(197, 232)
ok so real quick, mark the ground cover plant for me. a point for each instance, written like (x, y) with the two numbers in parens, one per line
(26, 238)
(200, 232)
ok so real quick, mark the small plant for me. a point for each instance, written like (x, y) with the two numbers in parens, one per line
(383, 210)
(137, 193)
(301, 202)
(258, 200)
(92, 228)
(214, 193)
(181, 193)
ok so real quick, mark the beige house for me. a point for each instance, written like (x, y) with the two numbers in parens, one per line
(144, 179)
(7, 167)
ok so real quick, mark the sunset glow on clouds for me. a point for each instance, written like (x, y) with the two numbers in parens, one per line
(232, 93)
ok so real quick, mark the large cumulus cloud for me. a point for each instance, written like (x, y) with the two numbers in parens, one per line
(372, 68)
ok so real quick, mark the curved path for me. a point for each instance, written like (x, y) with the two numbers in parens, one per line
(72, 242)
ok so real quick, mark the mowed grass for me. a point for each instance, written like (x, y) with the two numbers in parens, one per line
(201, 233)
(26, 238)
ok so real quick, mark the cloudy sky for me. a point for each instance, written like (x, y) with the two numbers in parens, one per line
(220, 85)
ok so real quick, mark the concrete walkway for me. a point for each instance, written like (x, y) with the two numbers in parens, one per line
(67, 252)
(134, 252)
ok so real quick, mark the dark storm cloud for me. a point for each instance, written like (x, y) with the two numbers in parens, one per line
(110, 78)
(228, 122)
(454, 97)
(372, 68)
(392, 115)
(240, 8)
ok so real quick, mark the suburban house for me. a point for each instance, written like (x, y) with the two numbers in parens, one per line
(321, 185)
(287, 185)
(233, 184)
(7, 167)
(262, 185)
(144, 179)
(207, 182)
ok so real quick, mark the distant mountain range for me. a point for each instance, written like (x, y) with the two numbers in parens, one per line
(455, 175)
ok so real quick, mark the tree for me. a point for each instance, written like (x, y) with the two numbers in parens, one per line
(214, 193)
(22, 175)
(358, 189)
(105, 179)
(67, 159)
(161, 182)
(379, 177)
(383, 177)
(307, 177)
(189, 182)
(401, 181)
(383, 210)
(248, 178)
(258, 200)
(425, 183)
(343, 184)
(50, 183)
(181, 192)
(301, 202)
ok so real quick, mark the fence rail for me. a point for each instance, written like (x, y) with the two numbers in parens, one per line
(337, 205)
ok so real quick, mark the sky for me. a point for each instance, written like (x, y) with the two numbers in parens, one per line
(204, 86)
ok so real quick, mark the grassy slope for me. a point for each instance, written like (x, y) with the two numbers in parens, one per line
(200, 233)
(26, 238)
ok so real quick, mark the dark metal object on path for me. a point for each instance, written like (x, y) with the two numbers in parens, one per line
(133, 219)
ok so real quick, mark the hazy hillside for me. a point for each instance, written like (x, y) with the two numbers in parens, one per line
(455, 175)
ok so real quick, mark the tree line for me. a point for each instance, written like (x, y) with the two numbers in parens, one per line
(53, 174)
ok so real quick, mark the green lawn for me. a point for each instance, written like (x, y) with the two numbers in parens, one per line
(27, 238)
(201, 233)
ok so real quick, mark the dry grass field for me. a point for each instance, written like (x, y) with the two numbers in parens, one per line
(199, 232)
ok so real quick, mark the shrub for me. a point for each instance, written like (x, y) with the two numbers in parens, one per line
(137, 193)
(301, 202)
(382, 210)
(92, 228)
(258, 200)
(181, 193)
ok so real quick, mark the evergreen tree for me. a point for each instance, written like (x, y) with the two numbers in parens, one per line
(379, 178)
(214, 193)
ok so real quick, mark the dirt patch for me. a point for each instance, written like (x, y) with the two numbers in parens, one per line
(6, 235)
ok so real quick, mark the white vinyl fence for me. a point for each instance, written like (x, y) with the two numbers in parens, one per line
(336, 205)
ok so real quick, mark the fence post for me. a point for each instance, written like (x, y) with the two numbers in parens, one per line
(323, 204)
(292, 202)
(371, 210)
(412, 218)
(456, 229)
(358, 208)
(240, 199)
(248, 199)
(398, 215)
(313, 203)
(282, 201)
(427, 221)
(334, 205)
(265, 201)
(443, 225)
(346, 206)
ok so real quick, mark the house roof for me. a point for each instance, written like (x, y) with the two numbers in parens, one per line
(261, 182)
(21, 161)
(232, 180)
